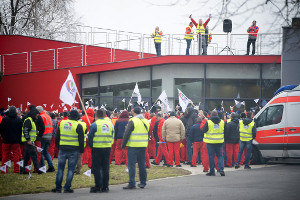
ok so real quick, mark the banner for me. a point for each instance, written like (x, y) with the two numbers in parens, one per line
(68, 90)
(137, 92)
(183, 100)
(164, 99)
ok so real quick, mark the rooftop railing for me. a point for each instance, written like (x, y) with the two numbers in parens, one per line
(107, 46)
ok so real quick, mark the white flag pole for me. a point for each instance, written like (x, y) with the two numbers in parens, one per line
(130, 100)
(154, 103)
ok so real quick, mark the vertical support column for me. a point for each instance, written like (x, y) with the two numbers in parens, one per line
(28, 62)
(54, 59)
(204, 89)
(80, 91)
(151, 76)
(98, 92)
(260, 81)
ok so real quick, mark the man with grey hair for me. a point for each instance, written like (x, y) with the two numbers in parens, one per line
(232, 138)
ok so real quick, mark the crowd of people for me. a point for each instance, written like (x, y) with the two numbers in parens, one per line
(204, 36)
(98, 137)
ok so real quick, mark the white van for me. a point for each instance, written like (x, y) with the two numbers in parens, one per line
(278, 126)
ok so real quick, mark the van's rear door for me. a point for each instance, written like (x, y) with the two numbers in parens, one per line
(293, 124)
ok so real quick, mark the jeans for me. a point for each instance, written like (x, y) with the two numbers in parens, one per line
(248, 145)
(202, 44)
(188, 46)
(189, 148)
(100, 166)
(213, 149)
(158, 48)
(72, 157)
(136, 154)
(45, 147)
(251, 41)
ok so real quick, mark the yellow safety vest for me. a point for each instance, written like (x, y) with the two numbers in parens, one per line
(246, 131)
(32, 132)
(104, 137)
(228, 120)
(139, 136)
(84, 127)
(215, 133)
(200, 29)
(157, 37)
(68, 134)
(189, 36)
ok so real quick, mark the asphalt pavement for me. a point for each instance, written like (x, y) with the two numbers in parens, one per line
(278, 181)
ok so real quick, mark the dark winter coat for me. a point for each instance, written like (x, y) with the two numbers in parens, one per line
(231, 132)
(121, 125)
(11, 128)
(188, 120)
(196, 134)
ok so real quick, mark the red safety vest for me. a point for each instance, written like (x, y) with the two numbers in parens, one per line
(48, 123)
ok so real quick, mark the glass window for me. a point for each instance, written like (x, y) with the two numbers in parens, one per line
(191, 87)
(272, 115)
(233, 71)
(230, 88)
(90, 84)
(156, 89)
(271, 71)
(269, 87)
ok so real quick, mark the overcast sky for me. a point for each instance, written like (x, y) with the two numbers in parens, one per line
(143, 15)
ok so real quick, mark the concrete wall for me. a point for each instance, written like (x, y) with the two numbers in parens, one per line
(290, 73)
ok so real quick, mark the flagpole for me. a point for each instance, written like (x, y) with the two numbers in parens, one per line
(130, 100)
(83, 106)
(153, 104)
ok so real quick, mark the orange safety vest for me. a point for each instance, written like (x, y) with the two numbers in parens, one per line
(48, 123)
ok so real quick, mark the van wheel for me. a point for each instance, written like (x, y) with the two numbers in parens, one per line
(256, 157)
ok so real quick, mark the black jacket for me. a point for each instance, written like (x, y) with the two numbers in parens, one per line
(40, 126)
(155, 131)
(247, 121)
(81, 140)
(214, 119)
(196, 134)
(231, 132)
(11, 128)
(188, 120)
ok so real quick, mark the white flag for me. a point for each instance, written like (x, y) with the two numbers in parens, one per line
(28, 167)
(123, 100)
(256, 100)
(8, 99)
(88, 173)
(21, 107)
(86, 107)
(87, 103)
(243, 102)
(164, 99)
(21, 163)
(3, 168)
(56, 111)
(91, 100)
(39, 149)
(97, 108)
(76, 101)
(237, 103)
(142, 103)
(102, 106)
(43, 169)
(130, 104)
(45, 105)
(137, 92)
(146, 104)
(8, 163)
(183, 100)
(51, 106)
(68, 90)
(62, 104)
(29, 175)
(28, 103)
(65, 108)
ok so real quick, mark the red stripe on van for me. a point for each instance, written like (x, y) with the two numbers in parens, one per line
(286, 99)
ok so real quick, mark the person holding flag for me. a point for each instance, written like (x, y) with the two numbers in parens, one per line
(29, 135)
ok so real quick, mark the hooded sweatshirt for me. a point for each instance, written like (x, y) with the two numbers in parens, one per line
(121, 124)
(90, 112)
(231, 132)
(247, 121)
(214, 119)
(11, 127)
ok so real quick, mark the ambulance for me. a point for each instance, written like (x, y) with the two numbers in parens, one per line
(278, 126)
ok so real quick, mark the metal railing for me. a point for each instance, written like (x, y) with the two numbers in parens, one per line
(120, 46)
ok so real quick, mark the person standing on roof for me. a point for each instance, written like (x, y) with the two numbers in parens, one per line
(188, 37)
(201, 33)
(156, 35)
(252, 30)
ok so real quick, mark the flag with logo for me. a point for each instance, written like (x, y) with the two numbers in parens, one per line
(137, 92)
(68, 90)
(183, 100)
(164, 99)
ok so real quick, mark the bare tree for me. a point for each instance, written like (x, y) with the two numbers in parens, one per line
(38, 18)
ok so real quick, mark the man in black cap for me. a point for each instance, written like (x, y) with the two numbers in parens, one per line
(136, 137)
(70, 139)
